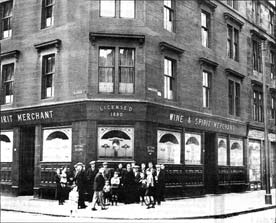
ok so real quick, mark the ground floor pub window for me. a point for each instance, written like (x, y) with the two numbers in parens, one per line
(168, 147)
(57, 145)
(6, 138)
(192, 148)
(115, 143)
(222, 151)
(236, 152)
(254, 161)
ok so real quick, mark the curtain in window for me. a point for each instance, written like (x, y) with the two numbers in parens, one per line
(8, 75)
(126, 71)
(106, 70)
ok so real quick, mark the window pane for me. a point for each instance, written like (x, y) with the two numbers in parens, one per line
(203, 19)
(254, 164)
(127, 57)
(168, 19)
(231, 97)
(126, 80)
(236, 152)
(6, 146)
(107, 8)
(106, 80)
(127, 8)
(237, 99)
(106, 57)
(192, 149)
(222, 151)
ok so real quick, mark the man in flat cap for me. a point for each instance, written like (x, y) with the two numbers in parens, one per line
(107, 172)
(80, 179)
(90, 174)
(99, 183)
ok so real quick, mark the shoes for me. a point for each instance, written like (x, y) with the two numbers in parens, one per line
(82, 207)
(94, 209)
(148, 207)
(104, 208)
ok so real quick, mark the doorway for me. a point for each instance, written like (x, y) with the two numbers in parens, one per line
(26, 160)
(210, 163)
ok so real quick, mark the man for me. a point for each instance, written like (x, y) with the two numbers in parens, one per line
(80, 180)
(129, 184)
(91, 173)
(99, 183)
(159, 184)
(107, 173)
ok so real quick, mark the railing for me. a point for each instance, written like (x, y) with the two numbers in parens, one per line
(6, 176)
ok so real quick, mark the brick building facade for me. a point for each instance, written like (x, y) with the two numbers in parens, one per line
(174, 82)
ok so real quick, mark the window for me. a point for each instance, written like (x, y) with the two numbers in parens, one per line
(107, 8)
(108, 71)
(205, 28)
(6, 146)
(168, 15)
(233, 4)
(273, 106)
(206, 85)
(257, 106)
(6, 16)
(254, 160)
(232, 42)
(234, 98)
(236, 152)
(8, 81)
(271, 23)
(57, 145)
(115, 143)
(47, 17)
(192, 148)
(168, 147)
(127, 8)
(222, 151)
(115, 8)
(169, 80)
(48, 71)
(272, 65)
(126, 71)
(257, 56)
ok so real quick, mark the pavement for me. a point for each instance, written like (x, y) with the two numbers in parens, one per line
(207, 206)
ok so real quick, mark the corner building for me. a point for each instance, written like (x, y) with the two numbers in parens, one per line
(173, 82)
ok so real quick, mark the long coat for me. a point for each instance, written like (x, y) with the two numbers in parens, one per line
(99, 182)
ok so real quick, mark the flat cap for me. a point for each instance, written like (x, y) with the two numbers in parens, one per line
(92, 162)
(79, 164)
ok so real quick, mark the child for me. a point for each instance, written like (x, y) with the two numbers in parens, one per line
(142, 187)
(107, 192)
(115, 184)
(149, 194)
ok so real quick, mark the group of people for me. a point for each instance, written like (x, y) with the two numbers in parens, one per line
(132, 184)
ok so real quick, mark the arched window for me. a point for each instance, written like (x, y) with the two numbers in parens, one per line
(222, 151)
(168, 148)
(192, 148)
(57, 145)
(236, 152)
(115, 143)
(6, 139)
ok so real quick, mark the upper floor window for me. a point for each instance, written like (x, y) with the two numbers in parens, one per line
(232, 42)
(48, 71)
(205, 28)
(47, 16)
(125, 70)
(7, 83)
(169, 15)
(273, 106)
(121, 8)
(169, 79)
(257, 106)
(233, 4)
(206, 88)
(257, 56)
(234, 98)
(272, 65)
(271, 23)
(6, 16)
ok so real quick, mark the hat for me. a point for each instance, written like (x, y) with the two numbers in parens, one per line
(135, 166)
(79, 164)
(158, 165)
(92, 162)
(104, 163)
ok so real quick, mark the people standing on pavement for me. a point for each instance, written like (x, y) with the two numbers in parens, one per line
(99, 183)
(80, 181)
(128, 182)
(107, 193)
(58, 186)
(142, 187)
(159, 184)
(121, 172)
(91, 174)
(136, 184)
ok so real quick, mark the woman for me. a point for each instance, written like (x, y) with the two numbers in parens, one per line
(61, 181)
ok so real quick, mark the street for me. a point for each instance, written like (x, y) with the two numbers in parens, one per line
(268, 216)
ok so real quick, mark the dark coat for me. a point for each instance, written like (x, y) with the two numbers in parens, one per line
(128, 178)
(99, 182)
(91, 174)
(80, 180)
(160, 178)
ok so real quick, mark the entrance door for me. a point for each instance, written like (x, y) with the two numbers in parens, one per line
(210, 163)
(26, 161)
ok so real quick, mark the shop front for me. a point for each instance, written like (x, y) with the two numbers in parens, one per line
(201, 153)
